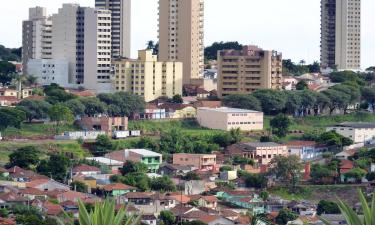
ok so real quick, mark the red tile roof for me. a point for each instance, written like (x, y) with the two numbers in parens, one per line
(32, 191)
(346, 165)
(180, 198)
(208, 218)
(35, 183)
(85, 168)
(52, 209)
(118, 186)
(209, 198)
(5, 221)
(300, 143)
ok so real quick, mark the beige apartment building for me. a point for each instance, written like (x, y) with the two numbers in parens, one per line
(247, 70)
(181, 35)
(199, 161)
(261, 152)
(148, 77)
(229, 118)
(341, 34)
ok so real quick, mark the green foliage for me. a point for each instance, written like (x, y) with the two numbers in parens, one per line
(56, 166)
(93, 106)
(61, 115)
(148, 143)
(133, 167)
(332, 138)
(167, 217)
(123, 103)
(327, 207)
(79, 186)
(368, 94)
(225, 168)
(191, 176)
(287, 169)
(177, 99)
(104, 214)
(240, 160)
(264, 195)
(4, 213)
(164, 184)
(254, 180)
(285, 215)
(355, 173)
(56, 94)
(210, 52)
(34, 109)
(6, 72)
(103, 144)
(302, 85)
(370, 176)
(344, 76)
(242, 101)
(11, 117)
(280, 125)
(10, 54)
(76, 106)
(272, 101)
(319, 172)
(26, 157)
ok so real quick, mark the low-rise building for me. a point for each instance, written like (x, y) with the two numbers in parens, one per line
(261, 152)
(229, 118)
(150, 158)
(357, 132)
(200, 161)
(305, 150)
(104, 123)
(112, 164)
(117, 189)
(85, 170)
(148, 77)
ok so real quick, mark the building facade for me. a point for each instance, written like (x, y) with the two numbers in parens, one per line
(121, 25)
(341, 34)
(247, 70)
(49, 71)
(181, 35)
(357, 132)
(228, 118)
(261, 153)
(200, 161)
(104, 123)
(82, 36)
(36, 36)
(148, 77)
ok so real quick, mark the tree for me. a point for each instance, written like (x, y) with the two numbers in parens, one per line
(167, 217)
(4, 213)
(10, 117)
(287, 169)
(225, 168)
(302, 85)
(242, 101)
(191, 176)
(235, 135)
(370, 176)
(314, 68)
(285, 215)
(56, 166)
(293, 102)
(56, 94)
(103, 144)
(355, 173)
(272, 101)
(148, 143)
(222, 139)
(123, 103)
(343, 76)
(60, 114)
(133, 167)
(7, 71)
(25, 157)
(93, 106)
(105, 214)
(240, 160)
(280, 125)
(321, 103)
(264, 195)
(368, 94)
(351, 217)
(308, 99)
(337, 100)
(79, 186)
(254, 180)
(76, 106)
(327, 207)
(177, 99)
(319, 172)
(351, 90)
(34, 109)
(210, 52)
(150, 45)
(332, 138)
(162, 184)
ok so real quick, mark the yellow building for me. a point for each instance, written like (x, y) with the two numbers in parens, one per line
(148, 77)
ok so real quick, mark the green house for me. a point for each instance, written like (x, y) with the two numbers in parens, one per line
(245, 199)
(118, 189)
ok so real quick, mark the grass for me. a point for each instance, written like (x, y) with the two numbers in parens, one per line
(35, 130)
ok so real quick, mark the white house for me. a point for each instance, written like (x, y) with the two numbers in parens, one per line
(357, 132)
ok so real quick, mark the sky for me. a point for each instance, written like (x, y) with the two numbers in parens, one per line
(288, 26)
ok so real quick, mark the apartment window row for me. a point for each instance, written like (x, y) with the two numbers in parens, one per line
(240, 123)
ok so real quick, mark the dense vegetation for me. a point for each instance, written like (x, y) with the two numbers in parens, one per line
(210, 52)
(10, 54)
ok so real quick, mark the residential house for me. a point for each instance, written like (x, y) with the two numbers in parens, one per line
(305, 150)
(112, 164)
(346, 154)
(147, 202)
(179, 111)
(289, 83)
(207, 201)
(8, 200)
(150, 158)
(345, 166)
(73, 196)
(21, 175)
(151, 112)
(104, 123)
(7, 101)
(245, 199)
(149, 219)
(205, 162)
(51, 209)
(214, 220)
(302, 208)
(85, 170)
(357, 132)
(261, 152)
(117, 189)
(47, 185)
(175, 170)
(33, 193)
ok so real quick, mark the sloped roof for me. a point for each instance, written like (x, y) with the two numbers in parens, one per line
(85, 168)
(118, 186)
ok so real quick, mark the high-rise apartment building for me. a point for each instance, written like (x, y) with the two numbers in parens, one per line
(82, 36)
(244, 71)
(181, 35)
(148, 77)
(121, 25)
(36, 36)
(341, 34)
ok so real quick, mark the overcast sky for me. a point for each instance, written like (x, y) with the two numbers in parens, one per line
(289, 26)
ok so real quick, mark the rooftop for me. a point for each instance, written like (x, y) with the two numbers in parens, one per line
(261, 144)
(106, 161)
(229, 110)
(144, 152)
(355, 125)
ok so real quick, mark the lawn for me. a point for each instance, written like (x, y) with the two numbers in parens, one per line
(36, 130)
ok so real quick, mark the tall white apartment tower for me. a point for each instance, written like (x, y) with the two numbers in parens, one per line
(82, 37)
(181, 35)
(341, 34)
(36, 36)
(121, 25)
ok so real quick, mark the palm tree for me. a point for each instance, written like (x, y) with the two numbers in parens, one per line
(352, 218)
(150, 45)
(31, 80)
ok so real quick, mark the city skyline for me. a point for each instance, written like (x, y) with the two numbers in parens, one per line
(295, 38)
